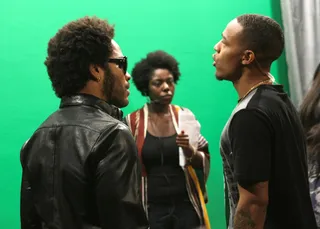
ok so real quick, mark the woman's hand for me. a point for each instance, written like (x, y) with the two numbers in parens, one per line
(183, 142)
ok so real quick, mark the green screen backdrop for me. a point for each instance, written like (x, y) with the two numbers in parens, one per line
(186, 29)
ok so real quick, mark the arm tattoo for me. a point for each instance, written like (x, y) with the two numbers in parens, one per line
(243, 220)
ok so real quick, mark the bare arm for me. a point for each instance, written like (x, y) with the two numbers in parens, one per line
(197, 156)
(197, 159)
(252, 206)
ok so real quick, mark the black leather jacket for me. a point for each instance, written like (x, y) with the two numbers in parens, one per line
(81, 170)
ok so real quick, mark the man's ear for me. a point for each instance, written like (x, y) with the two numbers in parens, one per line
(96, 72)
(248, 57)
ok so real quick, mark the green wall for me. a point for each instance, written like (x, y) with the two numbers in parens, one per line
(186, 29)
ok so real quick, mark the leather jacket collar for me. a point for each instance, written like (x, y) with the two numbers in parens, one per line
(90, 100)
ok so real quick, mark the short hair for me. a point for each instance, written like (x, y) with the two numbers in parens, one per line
(143, 70)
(71, 51)
(262, 35)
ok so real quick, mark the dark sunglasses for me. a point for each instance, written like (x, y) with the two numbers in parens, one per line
(122, 63)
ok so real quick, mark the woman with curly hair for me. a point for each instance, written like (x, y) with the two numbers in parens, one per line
(174, 194)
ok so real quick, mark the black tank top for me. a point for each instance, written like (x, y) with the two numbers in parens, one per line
(166, 179)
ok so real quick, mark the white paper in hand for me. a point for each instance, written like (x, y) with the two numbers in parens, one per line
(191, 127)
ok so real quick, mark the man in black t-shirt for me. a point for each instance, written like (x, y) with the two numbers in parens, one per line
(263, 144)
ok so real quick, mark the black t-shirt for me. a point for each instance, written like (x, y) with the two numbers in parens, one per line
(264, 141)
(165, 178)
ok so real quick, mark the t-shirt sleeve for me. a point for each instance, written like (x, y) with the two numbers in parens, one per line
(251, 143)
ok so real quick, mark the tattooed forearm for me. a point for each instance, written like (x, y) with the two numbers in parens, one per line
(243, 220)
(252, 206)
